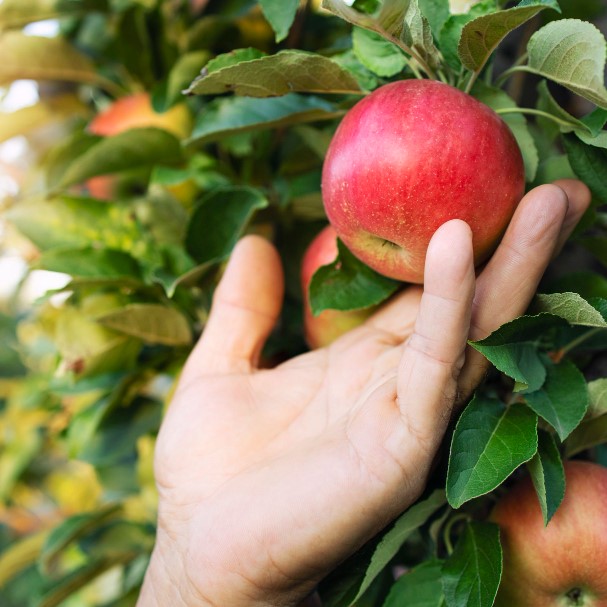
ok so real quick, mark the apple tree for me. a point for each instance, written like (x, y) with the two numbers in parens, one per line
(163, 132)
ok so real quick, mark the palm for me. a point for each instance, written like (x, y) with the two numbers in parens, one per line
(308, 460)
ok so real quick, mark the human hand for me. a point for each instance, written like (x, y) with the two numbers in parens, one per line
(269, 478)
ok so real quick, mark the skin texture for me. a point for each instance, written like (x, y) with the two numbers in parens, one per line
(409, 157)
(565, 563)
(325, 328)
(268, 478)
(131, 112)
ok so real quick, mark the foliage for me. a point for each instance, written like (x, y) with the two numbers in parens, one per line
(84, 376)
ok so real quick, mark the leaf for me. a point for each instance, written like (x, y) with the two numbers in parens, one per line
(132, 149)
(286, 72)
(219, 220)
(348, 284)
(471, 575)
(89, 262)
(420, 587)
(513, 348)
(547, 103)
(571, 307)
(589, 164)
(571, 53)
(595, 121)
(225, 117)
(64, 222)
(351, 579)
(17, 13)
(234, 57)
(497, 99)
(152, 323)
(21, 554)
(490, 441)
(53, 110)
(563, 400)
(587, 435)
(437, 13)
(548, 475)
(597, 394)
(280, 14)
(377, 54)
(39, 58)
(417, 35)
(481, 36)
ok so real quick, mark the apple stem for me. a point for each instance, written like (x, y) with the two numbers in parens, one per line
(533, 112)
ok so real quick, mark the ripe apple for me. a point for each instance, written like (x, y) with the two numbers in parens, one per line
(409, 157)
(325, 328)
(130, 112)
(565, 563)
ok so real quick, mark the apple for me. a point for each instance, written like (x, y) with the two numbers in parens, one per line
(130, 112)
(325, 328)
(565, 563)
(409, 157)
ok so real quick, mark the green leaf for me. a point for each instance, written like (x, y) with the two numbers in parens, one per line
(280, 14)
(17, 13)
(497, 99)
(489, 443)
(417, 35)
(547, 103)
(587, 435)
(513, 348)
(129, 150)
(377, 54)
(64, 222)
(548, 475)
(471, 575)
(89, 262)
(286, 72)
(350, 581)
(587, 283)
(152, 323)
(571, 53)
(219, 220)
(451, 32)
(589, 164)
(595, 121)
(437, 12)
(40, 58)
(420, 587)
(563, 400)
(225, 117)
(348, 284)
(481, 36)
(234, 57)
(597, 394)
(571, 307)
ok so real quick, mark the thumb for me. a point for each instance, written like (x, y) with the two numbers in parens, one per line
(246, 305)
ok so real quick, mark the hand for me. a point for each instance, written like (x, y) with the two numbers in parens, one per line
(268, 479)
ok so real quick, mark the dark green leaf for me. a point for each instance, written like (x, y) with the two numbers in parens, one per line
(595, 121)
(420, 587)
(589, 164)
(563, 400)
(481, 36)
(548, 475)
(129, 150)
(286, 72)
(225, 117)
(588, 434)
(280, 14)
(489, 443)
(348, 284)
(587, 283)
(219, 221)
(471, 575)
(377, 54)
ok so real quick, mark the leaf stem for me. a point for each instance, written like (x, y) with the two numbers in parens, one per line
(513, 70)
(534, 112)
(580, 340)
(425, 67)
(447, 530)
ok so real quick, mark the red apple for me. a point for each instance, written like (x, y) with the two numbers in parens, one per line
(133, 111)
(409, 157)
(325, 328)
(565, 563)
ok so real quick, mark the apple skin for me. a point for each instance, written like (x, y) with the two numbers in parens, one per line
(551, 566)
(409, 157)
(321, 330)
(131, 112)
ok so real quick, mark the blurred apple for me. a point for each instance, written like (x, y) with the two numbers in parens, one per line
(325, 328)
